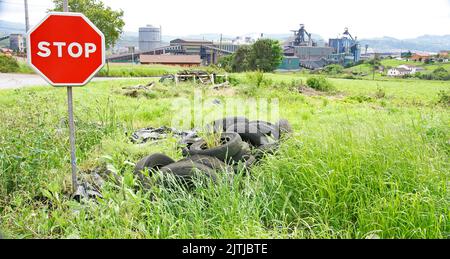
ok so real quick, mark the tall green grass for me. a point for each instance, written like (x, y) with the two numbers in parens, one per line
(129, 70)
(375, 168)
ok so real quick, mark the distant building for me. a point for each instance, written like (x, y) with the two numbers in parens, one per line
(444, 54)
(17, 42)
(190, 47)
(404, 70)
(396, 72)
(346, 49)
(149, 38)
(172, 60)
(290, 63)
(312, 52)
(420, 57)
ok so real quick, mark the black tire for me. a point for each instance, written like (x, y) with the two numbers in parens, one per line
(223, 124)
(249, 133)
(267, 128)
(211, 162)
(186, 144)
(245, 150)
(184, 173)
(151, 163)
(270, 148)
(229, 149)
(246, 163)
(284, 126)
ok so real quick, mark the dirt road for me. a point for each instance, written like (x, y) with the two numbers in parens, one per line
(13, 81)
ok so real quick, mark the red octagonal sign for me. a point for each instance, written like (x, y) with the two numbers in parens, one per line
(66, 49)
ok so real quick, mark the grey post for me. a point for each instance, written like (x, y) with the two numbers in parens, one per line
(27, 20)
(73, 158)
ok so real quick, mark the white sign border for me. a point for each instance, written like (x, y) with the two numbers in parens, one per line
(65, 14)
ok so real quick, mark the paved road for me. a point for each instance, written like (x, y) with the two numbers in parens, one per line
(13, 81)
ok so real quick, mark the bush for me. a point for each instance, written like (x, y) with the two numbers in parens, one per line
(333, 69)
(320, 84)
(444, 98)
(8, 64)
(258, 79)
(439, 73)
(380, 94)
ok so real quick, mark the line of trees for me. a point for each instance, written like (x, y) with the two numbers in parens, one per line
(264, 55)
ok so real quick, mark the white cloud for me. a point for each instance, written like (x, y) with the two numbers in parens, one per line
(366, 18)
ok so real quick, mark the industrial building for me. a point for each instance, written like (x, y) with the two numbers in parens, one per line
(209, 51)
(16, 42)
(346, 50)
(290, 63)
(310, 55)
(149, 38)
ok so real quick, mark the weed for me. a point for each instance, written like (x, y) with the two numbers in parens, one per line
(320, 84)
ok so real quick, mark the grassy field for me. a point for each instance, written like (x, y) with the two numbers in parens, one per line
(368, 160)
(127, 70)
(366, 68)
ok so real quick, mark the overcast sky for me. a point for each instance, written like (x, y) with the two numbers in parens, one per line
(365, 18)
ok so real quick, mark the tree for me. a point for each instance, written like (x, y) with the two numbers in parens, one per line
(109, 21)
(241, 59)
(226, 62)
(266, 55)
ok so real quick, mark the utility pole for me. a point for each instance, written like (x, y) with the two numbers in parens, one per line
(220, 47)
(27, 20)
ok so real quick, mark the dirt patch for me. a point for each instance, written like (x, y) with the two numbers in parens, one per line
(223, 92)
(313, 92)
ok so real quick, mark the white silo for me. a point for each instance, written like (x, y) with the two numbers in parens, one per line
(149, 38)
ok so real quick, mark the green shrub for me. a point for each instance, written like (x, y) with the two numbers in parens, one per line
(233, 80)
(8, 64)
(444, 98)
(320, 84)
(333, 69)
(380, 94)
(439, 73)
(258, 79)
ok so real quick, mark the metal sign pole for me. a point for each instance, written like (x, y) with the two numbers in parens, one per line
(73, 158)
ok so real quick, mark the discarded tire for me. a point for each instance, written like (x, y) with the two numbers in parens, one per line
(246, 162)
(249, 133)
(187, 143)
(245, 150)
(232, 145)
(270, 148)
(223, 124)
(284, 126)
(184, 173)
(211, 162)
(267, 128)
(151, 163)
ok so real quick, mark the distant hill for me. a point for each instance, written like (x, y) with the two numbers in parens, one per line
(428, 43)
(11, 27)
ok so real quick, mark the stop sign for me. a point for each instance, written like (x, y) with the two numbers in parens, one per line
(66, 49)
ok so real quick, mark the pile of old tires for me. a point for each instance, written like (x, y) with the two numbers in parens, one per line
(243, 144)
